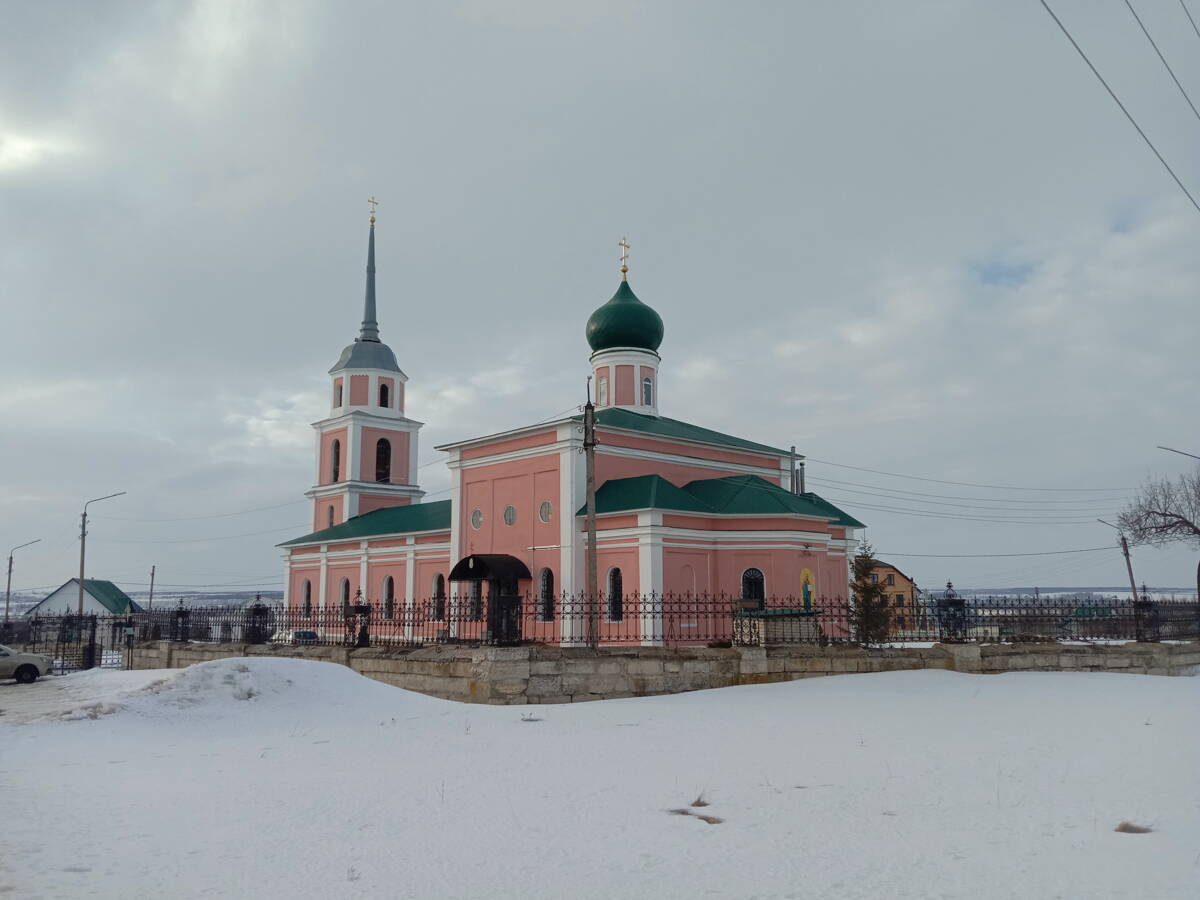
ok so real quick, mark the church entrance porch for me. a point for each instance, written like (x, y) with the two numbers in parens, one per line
(502, 575)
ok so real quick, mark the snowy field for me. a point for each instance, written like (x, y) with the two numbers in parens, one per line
(289, 779)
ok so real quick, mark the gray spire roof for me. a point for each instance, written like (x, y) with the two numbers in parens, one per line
(368, 351)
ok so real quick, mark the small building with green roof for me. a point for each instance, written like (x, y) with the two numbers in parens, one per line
(100, 598)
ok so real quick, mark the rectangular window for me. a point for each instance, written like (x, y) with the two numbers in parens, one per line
(602, 391)
(874, 579)
(899, 599)
(891, 580)
(899, 621)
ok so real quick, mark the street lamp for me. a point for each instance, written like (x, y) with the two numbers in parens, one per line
(1180, 452)
(8, 590)
(1128, 564)
(83, 540)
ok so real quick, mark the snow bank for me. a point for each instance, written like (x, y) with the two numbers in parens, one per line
(297, 779)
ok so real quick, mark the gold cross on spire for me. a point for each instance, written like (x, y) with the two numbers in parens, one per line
(624, 245)
(372, 203)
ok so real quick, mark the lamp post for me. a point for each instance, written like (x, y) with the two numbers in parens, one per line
(8, 590)
(83, 540)
(1180, 452)
(1133, 591)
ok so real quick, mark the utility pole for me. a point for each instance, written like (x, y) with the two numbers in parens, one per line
(589, 456)
(150, 599)
(83, 540)
(8, 590)
(1128, 563)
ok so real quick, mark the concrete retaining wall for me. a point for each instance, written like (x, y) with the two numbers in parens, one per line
(537, 674)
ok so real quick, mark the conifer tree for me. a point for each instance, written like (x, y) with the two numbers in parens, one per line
(869, 615)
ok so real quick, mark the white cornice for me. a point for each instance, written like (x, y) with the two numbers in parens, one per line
(373, 420)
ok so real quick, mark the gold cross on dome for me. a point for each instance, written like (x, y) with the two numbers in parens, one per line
(624, 245)
(372, 203)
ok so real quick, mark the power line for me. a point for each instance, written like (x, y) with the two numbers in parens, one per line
(226, 537)
(1166, 64)
(929, 514)
(194, 518)
(1195, 28)
(1040, 512)
(1117, 100)
(835, 481)
(991, 555)
(995, 487)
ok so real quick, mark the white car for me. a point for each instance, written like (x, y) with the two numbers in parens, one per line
(25, 667)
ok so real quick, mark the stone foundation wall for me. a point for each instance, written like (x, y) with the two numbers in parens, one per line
(538, 674)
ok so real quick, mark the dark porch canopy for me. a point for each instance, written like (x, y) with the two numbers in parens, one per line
(488, 567)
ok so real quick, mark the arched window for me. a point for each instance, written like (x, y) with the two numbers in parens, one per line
(602, 391)
(383, 461)
(345, 598)
(306, 608)
(647, 392)
(330, 517)
(546, 596)
(389, 598)
(335, 458)
(754, 586)
(439, 597)
(616, 596)
(384, 398)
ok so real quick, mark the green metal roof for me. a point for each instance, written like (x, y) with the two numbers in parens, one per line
(393, 520)
(624, 321)
(616, 417)
(840, 516)
(747, 495)
(110, 596)
(644, 492)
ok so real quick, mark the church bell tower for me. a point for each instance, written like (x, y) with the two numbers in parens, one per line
(366, 446)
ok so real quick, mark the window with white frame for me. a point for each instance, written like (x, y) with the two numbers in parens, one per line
(647, 392)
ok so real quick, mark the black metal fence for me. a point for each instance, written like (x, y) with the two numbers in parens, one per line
(72, 642)
(633, 619)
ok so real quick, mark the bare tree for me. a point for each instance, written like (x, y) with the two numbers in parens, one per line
(1166, 512)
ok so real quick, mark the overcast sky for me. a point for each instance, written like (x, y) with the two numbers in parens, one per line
(913, 237)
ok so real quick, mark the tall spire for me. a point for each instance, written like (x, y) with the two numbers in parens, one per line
(370, 327)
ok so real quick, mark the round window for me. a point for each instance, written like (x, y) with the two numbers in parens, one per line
(476, 519)
(510, 515)
(545, 511)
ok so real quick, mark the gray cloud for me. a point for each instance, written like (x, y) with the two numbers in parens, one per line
(912, 237)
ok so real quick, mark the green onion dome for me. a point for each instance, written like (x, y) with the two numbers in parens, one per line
(624, 321)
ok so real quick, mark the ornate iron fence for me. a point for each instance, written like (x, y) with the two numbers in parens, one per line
(631, 619)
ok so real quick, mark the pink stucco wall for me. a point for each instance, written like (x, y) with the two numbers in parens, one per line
(360, 386)
(368, 437)
(524, 484)
(371, 502)
(524, 442)
(665, 445)
(608, 466)
(625, 395)
(327, 439)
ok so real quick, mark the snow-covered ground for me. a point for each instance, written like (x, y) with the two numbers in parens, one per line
(287, 778)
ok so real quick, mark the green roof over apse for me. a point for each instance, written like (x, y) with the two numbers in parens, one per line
(393, 520)
(110, 596)
(616, 417)
(624, 321)
(747, 495)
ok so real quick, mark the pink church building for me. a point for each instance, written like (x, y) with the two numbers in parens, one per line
(682, 510)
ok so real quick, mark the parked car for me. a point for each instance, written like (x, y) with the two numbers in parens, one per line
(25, 667)
(295, 638)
